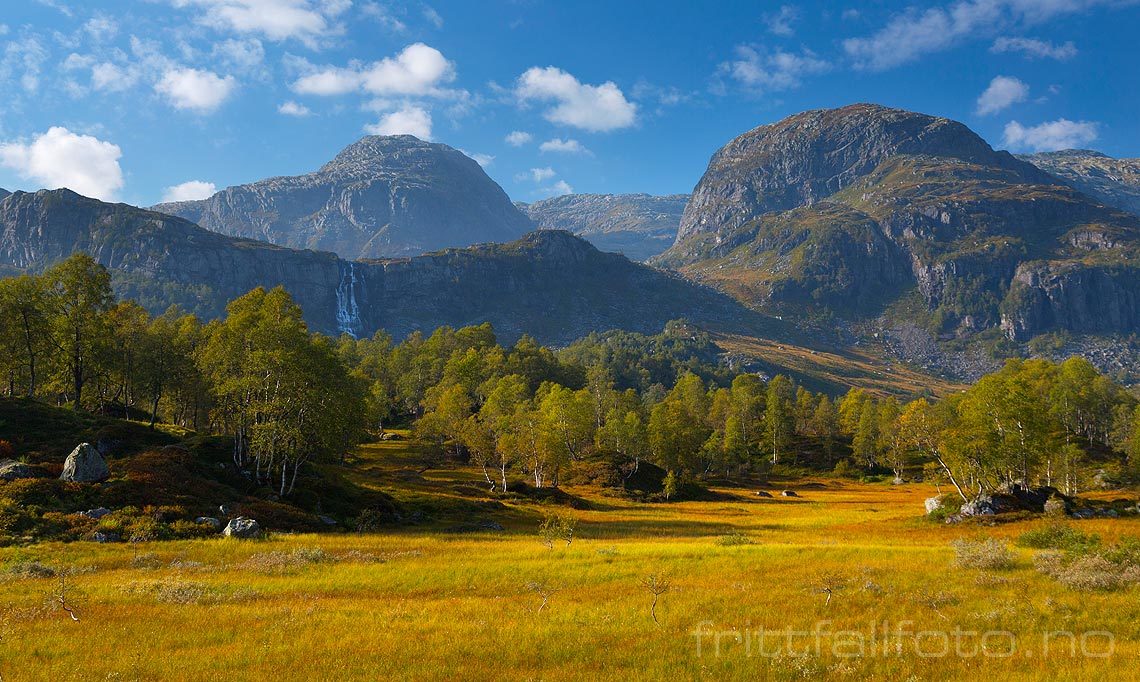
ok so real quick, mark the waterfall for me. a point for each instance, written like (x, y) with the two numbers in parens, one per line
(347, 310)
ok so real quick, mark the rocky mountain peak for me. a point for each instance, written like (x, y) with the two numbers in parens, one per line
(810, 156)
(1114, 182)
(381, 196)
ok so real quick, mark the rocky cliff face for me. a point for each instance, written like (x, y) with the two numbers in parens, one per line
(852, 208)
(382, 196)
(1115, 182)
(637, 225)
(550, 284)
(160, 260)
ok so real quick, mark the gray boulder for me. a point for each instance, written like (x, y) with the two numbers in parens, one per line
(790, 493)
(763, 493)
(209, 521)
(105, 537)
(982, 506)
(85, 465)
(242, 528)
(327, 520)
(933, 504)
(11, 470)
(96, 513)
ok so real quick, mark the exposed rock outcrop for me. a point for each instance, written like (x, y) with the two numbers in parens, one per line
(381, 196)
(10, 470)
(242, 529)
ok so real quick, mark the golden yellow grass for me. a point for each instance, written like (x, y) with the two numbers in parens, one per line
(420, 603)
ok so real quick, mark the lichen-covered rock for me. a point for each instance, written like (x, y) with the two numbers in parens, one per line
(85, 465)
(242, 528)
(933, 504)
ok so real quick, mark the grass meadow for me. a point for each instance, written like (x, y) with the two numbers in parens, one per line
(833, 568)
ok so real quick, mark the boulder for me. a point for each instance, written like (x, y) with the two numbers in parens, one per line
(105, 537)
(1055, 507)
(85, 465)
(982, 506)
(96, 514)
(790, 493)
(327, 520)
(11, 470)
(209, 521)
(242, 528)
(933, 504)
(762, 493)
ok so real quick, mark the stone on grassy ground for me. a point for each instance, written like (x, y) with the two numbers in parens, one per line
(85, 465)
(790, 493)
(242, 528)
(10, 470)
(933, 504)
(761, 493)
(96, 514)
(209, 521)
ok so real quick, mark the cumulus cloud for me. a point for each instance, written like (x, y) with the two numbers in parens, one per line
(518, 138)
(561, 146)
(110, 77)
(294, 109)
(1050, 136)
(308, 21)
(24, 58)
(780, 23)
(199, 91)
(1035, 49)
(774, 71)
(418, 70)
(483, 160)
(914, 33)
(558, 189)
(595, 108)
(537, 174)
(408, 120)
(1002, 93)
(61, 158)
(192, 190)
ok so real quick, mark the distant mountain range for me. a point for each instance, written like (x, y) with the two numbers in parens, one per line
(381, 196)
(1114, 182)
(637, 225)
(549, 284)
(855, 210)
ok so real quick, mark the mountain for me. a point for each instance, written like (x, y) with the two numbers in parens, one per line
(637, 225)
(549, 284)
(381, 196)
(1115, 182)
(865, 210)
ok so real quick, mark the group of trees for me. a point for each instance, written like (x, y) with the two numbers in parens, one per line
(286, 396)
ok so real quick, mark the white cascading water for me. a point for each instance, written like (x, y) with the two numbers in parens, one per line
(347, 310)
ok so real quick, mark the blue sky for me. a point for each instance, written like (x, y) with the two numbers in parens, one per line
(141, 100)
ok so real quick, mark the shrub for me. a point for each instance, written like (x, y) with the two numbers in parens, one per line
(557, 527)
(733, 539)
(1059, 536)
(6, 450)
(29, 569)
(986, 554)
(843, 469)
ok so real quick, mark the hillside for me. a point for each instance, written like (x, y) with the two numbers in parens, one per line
(381, 196)
(847, 211)
(1114, 182)
(550, 284)
(639, 226)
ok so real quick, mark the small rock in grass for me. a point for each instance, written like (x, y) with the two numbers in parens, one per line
(242, 528)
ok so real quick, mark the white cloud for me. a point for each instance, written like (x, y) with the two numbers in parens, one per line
(408, 120)
(483, 160)
(383, 16)
(110, 77)
(189, 191)
(101, 28)
(518, 138)
(61, 158)
(913, 33)
(308, 21)
(590, 107)
(419, 70)
(243, 55)
(433, 17)
(774, 71)
(294, 109)
(780, 23)
(563, 146)
(200, 91)
(1035, 49)
(1002, 93)
(1051, 136)
(558, 189)
(24, 58)
(537, 175)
